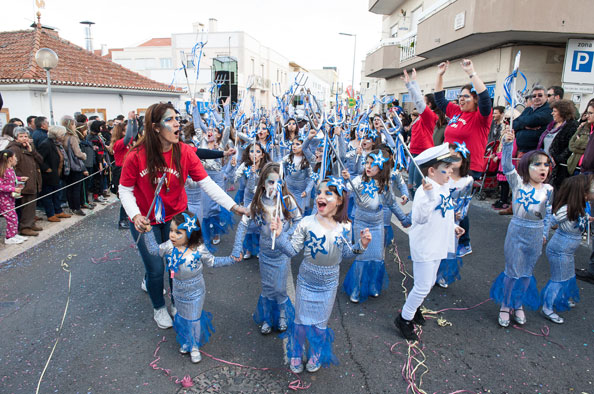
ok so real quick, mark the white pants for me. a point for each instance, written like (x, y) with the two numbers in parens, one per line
(424, 275)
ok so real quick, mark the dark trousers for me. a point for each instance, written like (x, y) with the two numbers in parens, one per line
(51, 202)
(27, 218)
(73, 190)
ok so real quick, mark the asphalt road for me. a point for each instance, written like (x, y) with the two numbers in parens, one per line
(109, 338)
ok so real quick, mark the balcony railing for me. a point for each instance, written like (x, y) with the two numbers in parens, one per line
(408, 48)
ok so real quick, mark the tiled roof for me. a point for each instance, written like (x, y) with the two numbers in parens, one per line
(157, 42)
(76, 66)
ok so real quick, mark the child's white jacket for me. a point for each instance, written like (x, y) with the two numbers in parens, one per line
(432, 235)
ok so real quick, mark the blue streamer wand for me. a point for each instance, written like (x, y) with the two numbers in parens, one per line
(157, 191)
(402, 142)
(513, 92)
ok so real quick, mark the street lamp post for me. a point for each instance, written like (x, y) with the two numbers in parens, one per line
(354, 56)
(47, 59)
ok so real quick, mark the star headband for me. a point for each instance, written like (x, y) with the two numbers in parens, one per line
(189, 224)
(378, 159)
(461, 147)
(338, 183)
(371, 134)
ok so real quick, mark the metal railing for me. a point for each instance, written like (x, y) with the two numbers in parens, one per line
(408, 48)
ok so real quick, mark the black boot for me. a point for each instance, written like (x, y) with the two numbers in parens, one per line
(418, 319)
(406, 327)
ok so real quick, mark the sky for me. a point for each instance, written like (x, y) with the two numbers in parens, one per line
(303, 31)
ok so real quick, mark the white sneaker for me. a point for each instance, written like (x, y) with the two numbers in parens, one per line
(21, 237)
(162, 318)
(195, 356)
(247, 255)
(143, 287)
(183, 350)
(13, 241)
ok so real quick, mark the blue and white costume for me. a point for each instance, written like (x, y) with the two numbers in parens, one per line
(317, 283)
(367, 275)
(460, 195)
(274, 264)
(397, 184)
(215, 219)
(516, 285)
(251, 243)
(562, 287)
(298, 179)
(192, 325)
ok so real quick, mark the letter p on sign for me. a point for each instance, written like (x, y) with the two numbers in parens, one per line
(582, 61)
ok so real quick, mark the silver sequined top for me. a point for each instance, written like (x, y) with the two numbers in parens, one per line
(321, 246)
(528, 202)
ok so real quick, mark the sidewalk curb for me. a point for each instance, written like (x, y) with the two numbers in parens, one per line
(50, 229)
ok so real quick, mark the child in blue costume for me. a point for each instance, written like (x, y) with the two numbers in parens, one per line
(569, 213)
(367, 275)
(325, 238)
(460, 186)
(186, 254)
(298, 174)
(252, 161)
(397, 184)
(526, 234)
(215, 219)
(274, 308)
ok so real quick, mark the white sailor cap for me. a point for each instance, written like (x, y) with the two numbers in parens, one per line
(435, 154)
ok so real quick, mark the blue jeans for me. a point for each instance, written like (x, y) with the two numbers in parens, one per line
(154, 265)
(465, 223)
(51, 203)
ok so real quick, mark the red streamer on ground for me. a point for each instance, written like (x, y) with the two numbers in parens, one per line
(544, 332)
(186, 381)
(106, 257)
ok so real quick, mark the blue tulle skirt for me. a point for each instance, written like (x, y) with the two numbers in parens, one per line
(215, 225)
(515, 292)
(269, 311)
(193, 333)
(556, 295)
(319, 339)
(449, 269)
(365, 278)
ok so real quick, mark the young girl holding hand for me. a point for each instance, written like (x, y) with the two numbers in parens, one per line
(325, 238)
(185, 254)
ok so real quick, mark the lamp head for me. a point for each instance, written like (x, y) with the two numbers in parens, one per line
(46, 58)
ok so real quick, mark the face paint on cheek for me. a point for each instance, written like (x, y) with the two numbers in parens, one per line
(166, 126)
(330, 198)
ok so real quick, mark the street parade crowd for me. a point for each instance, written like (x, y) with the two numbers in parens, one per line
(325, 182)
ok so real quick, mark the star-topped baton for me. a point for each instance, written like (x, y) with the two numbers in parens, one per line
(157, 191)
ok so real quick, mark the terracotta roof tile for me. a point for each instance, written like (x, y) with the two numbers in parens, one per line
(157, 42)
(76, 67)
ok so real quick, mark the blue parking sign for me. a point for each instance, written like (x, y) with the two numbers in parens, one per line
(582, 61)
